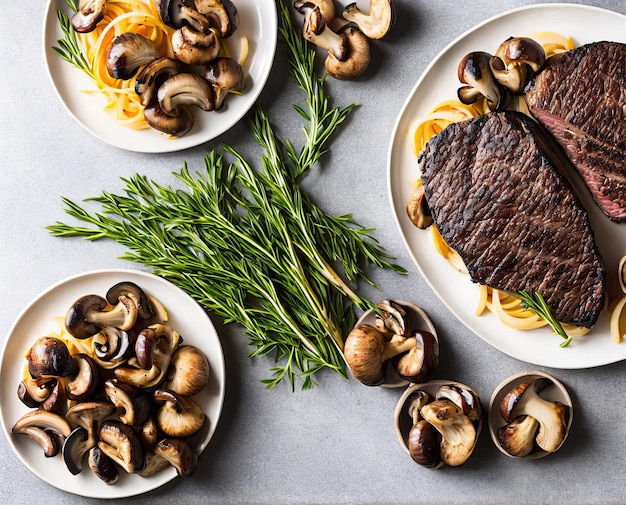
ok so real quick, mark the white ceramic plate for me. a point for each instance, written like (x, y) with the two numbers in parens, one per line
(185, 315)
(439, 82)
(257, 21)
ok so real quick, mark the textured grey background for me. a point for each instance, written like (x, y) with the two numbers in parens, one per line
(336, 443)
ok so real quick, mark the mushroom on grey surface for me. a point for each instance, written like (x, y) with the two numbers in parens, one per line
(375, 23)
(525, 400)
(222, 15)
(183, 89)
(225, 75)
(177, 415)
(120, 443)
(316, 31)
(195, 48)
(89, 314)
(474, 71)
(49, 357)
(176, 126)
(516, 61)
(48, 429)
(151, 77)
(458, 433)
(357, 58)
(129, 51)
(88, 15)
(188, 371)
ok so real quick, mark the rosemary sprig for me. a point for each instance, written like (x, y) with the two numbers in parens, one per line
(248, 243)
(537, 304)
(69, 47)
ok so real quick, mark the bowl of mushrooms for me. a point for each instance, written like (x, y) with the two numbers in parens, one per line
(530, 415)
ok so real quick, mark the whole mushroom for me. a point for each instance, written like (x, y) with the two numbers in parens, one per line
(516, 61)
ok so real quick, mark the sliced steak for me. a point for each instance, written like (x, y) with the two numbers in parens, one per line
(580, 97)
(495, 188)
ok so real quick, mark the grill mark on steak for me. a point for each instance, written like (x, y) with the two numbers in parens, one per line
(495, 187)
(580, 97)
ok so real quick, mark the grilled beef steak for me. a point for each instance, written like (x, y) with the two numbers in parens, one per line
(498, 197)
(580, 97)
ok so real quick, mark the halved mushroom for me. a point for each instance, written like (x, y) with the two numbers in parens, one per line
(75, 447)
(129, 51)
(103, 466)
(89, 314)
(188, 372)
(133, 403)
(185, 89)
(222, 15)
(179, 454)
(49, 357)
(127, 289)
(458, 433)
(421, 361)
(85, 379)
(376, 23)
(120, 443)
(518, 437)
(88, 15)
(148, 434)
(516, 61)
(366, 352)
(111, 347)
(316, 31)
(226, 76)
(177, 416)
(357, 57)
(176, 126)
(417, 208)
(474, 70)
(152, 76)
(463, 397)
(46, 428)
(195, 48)
(32, 392)
(57, 399)
(524, 400)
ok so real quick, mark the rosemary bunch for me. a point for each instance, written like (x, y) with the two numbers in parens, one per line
(248, 243)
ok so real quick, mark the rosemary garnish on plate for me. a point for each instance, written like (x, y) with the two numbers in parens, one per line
(248, 243)
(538, 305)
(69, 47)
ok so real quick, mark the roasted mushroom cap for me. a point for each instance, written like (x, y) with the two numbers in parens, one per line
(195, 48)
(188, 372)
(465, 398)
(392, 319)
(48, 429)
(177, 13)
(76, 447)
(376, 23)
(225, 75)
(49, 357)
(32, 392)
(88, 315)
(185, 89)
(179, 454)
(103, 466)
(129, 51)
(422, 360)
(424, 444)
(88, 15)
(551, 416)
(474, 70)
(176, 126)
(120, 443)
(357, 57)
(111, 347)
(516, 61)
(127, 289)
(178, 416)
(458, 434)
(222, 15)
(151, 77)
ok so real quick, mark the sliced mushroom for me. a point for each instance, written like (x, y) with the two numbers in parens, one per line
(474, 70)
(316, 31)
(46, 428)
(57, 399)
(89, 314)
(129, 51)
(85, 379)
(421, 362)
(111, 347)
(154, 464)
(463, 397)
(357, 57)
(177, 13)
(148, 435)
(76, 447)
(185, 89)
(49, 357)
(458, 433)
(127, 289)
(195, 48)
(179, 454)
(88, 15)
(518, 437)
(133, 403)
(417, 208)
(152, 76)
(177, 416)
(103, 466)
(120, 443)
(516, 61)
(32, 392)
(226, 76)
(376, 23)
(392, 319)
(175, 126)
(551, 416)
(222, 15)
(188, 372)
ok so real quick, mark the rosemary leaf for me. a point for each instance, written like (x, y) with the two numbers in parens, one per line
(538, 305)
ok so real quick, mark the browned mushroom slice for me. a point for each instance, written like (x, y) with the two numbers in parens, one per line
(32, 392)
(103, 466)
(222, 15)
(518, 437)
(133, 403)
(375, 23)
(149, 80)
(85, 379)
(316, 31)
(88, 15)
(195, 48)
(48, 429)
(421, 361)
(120, 443)
(226, 76)
(179, 454)
(185, 89)
(177, 415)
(129, 51)
(111, 347)
(133, 291)
(89, 314)
(176, 126)
(516, 61)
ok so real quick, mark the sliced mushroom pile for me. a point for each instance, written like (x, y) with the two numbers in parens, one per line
(345, 37)
(445, 427)
(497, 77)
(119, 392)
(533, 423)
(370, 350)
(198, 73)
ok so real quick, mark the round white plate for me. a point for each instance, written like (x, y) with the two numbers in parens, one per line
(439, 82)
(257, 21)
(37, 320)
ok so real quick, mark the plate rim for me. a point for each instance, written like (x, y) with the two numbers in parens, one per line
(398, 208)
(268, 14)
(218, 372)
